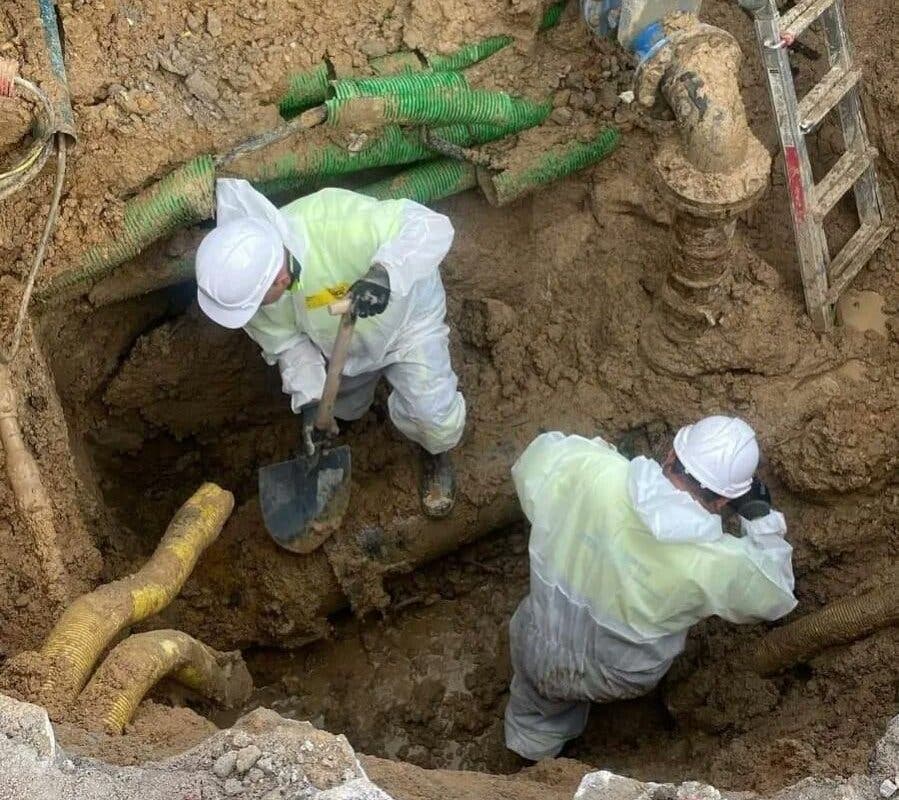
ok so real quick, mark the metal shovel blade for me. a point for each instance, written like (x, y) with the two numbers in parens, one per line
(303, 500)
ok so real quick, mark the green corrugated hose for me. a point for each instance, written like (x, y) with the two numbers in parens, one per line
(426, 182)
(547, 166)
(183, 197)
(469, 54)
(442, 106)
(552, 16)
(306, 89)
(392, 146)
(310, 87)
(407, 83)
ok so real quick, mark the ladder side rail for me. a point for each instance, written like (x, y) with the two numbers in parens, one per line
(868, 199)
(812, 245)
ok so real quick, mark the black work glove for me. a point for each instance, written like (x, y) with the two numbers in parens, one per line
(756, 503)
(371, 292)
(313, 439)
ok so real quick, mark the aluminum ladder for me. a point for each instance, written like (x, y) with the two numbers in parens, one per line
(823, 279)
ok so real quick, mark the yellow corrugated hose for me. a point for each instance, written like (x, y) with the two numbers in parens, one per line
(92, 621)
(840, 622)
(136, 665)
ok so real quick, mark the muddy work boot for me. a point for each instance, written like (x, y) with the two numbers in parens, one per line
(437, 489)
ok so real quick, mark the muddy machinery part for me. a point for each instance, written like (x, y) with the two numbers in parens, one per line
(712, 170)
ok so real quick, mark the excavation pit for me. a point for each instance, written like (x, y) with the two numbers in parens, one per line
(395, 633)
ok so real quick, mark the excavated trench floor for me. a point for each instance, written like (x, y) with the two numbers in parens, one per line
(427, 683)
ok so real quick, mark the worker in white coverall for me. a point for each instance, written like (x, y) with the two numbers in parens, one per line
(626, 555)
(274, 272)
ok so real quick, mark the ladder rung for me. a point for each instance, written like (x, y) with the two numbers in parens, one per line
(825, 96)
(841, 179)
(800, 16)
(854, 256)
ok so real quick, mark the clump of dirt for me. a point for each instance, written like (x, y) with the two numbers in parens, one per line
(549, 780)
(15, 124)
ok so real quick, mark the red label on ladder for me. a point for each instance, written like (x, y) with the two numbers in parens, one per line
(794, 181)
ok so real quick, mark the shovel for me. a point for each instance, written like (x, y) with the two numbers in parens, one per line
(303, 500)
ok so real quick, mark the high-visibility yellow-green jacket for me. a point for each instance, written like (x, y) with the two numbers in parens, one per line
(623, 563)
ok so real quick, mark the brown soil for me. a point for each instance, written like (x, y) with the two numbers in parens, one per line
(551, 780)
(156, 732)
(15, 122)
(138, 402)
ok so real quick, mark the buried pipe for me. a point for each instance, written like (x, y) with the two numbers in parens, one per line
(134, 667)
(558, 162)
(91, 622)
(426, 182)
(703, 90)
(313, 165)
(276, 598)
(701, 697)
(436, 106)
(841, 622)
(184, 197)
(310, 87)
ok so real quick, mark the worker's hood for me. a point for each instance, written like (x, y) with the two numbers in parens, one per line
(670, 514)
(236, 199)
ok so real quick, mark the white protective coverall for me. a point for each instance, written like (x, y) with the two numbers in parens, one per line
(336, 235)
(622, 563)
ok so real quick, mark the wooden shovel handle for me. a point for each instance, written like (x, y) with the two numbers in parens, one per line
(324, 418)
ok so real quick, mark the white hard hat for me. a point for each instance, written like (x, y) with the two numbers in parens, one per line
(236, 265)
(720, 452)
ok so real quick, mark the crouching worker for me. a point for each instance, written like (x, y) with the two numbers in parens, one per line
(624, 557)
(273, 272)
